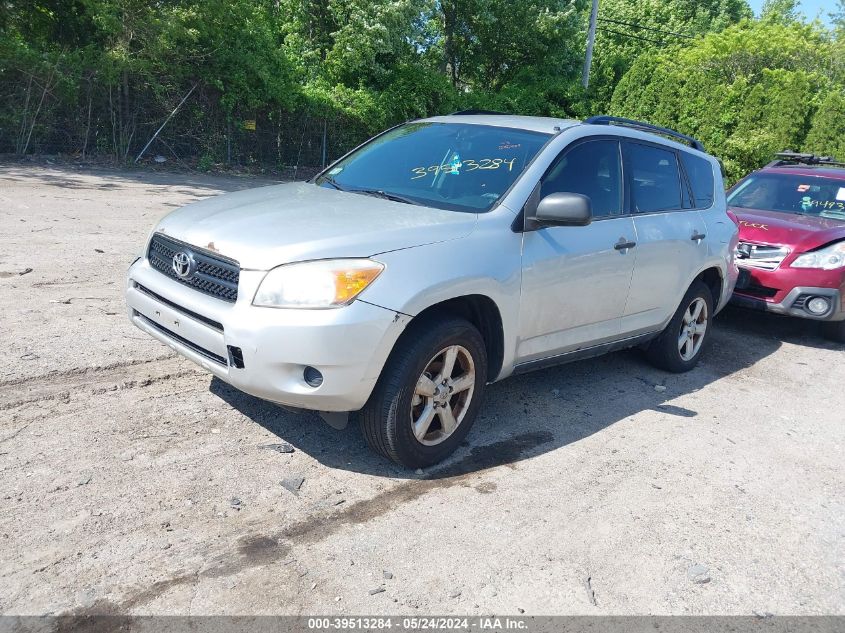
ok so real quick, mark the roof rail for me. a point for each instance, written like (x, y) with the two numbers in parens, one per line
(788, 157)
(472, 111)
(646, 127)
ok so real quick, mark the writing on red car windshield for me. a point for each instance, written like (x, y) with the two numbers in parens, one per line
(823, 204)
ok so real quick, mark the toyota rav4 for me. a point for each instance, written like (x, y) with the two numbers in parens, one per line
(440, 256)
(792, 239)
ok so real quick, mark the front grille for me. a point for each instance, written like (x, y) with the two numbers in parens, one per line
(208, 273)
(757, 290)
(760, 255)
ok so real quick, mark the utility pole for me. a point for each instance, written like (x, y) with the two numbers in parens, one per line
(325, 138)
(591, 40)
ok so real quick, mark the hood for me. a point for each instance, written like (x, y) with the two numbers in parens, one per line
(798, 232)
(263, 228)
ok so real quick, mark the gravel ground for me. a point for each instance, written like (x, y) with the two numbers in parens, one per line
(131, 481)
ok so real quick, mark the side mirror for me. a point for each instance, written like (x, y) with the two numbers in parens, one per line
(564, 209)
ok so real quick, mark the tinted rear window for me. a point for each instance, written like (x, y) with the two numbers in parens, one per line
(655, 178)
(700, 174)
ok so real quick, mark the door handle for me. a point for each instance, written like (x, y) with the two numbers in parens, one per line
(623, 244)
(697, 237)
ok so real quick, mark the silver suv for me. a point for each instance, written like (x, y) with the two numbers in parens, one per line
(441, 256)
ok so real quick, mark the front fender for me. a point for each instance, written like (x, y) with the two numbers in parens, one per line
(487, 262)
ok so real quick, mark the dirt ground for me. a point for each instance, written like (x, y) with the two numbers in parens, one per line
(130, 481)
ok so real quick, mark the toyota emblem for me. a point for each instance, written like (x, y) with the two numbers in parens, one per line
(183, 264)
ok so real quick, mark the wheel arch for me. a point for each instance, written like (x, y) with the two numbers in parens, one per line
(483, 313)
(711, 276)
(715, 281)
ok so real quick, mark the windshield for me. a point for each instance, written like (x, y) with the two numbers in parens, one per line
(792, 193)
(457, 166)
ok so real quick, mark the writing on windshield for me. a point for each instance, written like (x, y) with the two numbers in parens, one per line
(457, 166)
(792, 193)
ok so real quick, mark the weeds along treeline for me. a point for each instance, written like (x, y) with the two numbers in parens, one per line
(289, 84)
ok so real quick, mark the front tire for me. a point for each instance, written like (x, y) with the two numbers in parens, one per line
(428, 394)
(679, 346)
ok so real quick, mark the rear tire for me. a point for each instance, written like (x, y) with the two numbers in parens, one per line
(679, 346)
(421, 409)
(834, 331)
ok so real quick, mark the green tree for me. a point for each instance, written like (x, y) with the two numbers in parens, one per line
(372, 39)
(101, 75)
(484, 44)
(629, 28)
(837, 18)
(774, 117)
(351, 42)
(781, 11)
(827, 132)
(746, 92)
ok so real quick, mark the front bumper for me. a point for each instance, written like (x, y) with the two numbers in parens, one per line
(264, 351)
(795, 302)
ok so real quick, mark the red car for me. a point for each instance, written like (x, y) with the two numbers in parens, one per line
(791, 251)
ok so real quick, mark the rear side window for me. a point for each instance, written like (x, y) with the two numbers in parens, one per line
(593, 169)
(700, 174)
(655, 179)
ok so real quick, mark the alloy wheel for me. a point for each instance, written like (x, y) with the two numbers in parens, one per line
(693, 328)
(442, 395)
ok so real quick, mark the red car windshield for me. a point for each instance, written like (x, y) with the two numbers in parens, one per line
(791, 193)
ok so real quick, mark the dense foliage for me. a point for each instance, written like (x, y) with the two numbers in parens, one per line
(755, 88)
(281, 82)
(660, 24)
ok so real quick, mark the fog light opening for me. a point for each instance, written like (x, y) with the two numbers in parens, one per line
(312, 377)
(818, 305)
(236, 357)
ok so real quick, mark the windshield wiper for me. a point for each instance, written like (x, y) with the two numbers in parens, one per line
(378, 193)
(332, 182)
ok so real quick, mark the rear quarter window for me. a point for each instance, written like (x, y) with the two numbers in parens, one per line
(700, 174)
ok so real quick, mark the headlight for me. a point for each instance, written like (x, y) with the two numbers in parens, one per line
(827, 258)
(328, 283)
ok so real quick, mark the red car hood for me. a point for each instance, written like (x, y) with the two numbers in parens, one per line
(798, 232)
